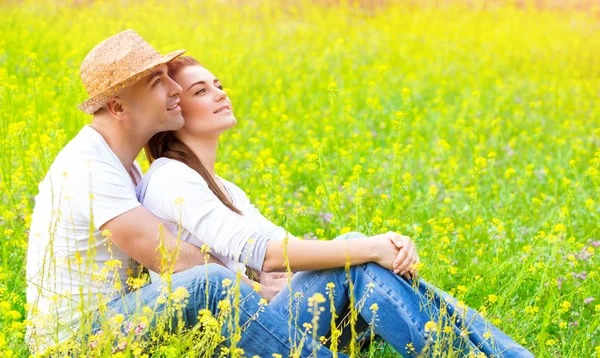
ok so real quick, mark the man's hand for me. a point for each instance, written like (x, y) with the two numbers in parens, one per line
(274, 279)
(268, 284)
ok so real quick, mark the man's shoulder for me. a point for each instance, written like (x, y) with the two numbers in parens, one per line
(81, 154)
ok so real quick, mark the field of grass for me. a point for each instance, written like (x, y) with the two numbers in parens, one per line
(474, 131)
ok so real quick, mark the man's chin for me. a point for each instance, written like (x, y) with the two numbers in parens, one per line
(176, 122)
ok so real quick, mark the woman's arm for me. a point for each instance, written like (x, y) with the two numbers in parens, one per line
(391, 250)
(315, 255)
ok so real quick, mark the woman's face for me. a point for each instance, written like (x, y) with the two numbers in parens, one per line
(206, 109)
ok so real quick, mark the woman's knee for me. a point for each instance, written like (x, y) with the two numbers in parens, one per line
(207, 274)
(350, 235)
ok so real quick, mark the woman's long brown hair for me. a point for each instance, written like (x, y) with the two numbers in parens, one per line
(166, 144)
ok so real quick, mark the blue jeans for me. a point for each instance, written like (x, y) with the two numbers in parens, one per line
(404, 310)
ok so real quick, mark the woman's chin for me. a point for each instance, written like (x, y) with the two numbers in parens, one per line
(232, 121)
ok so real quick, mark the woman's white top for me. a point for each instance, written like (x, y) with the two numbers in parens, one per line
(181, 198)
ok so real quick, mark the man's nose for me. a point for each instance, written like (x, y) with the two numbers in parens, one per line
(175, 88)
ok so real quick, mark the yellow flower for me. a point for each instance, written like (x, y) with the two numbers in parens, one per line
(480, 163)
(117, 319)
(180, 294)
(430, 326)
(565, 306)
(492, 298)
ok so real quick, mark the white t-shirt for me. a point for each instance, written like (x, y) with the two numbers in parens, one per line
(85, 187)
(178, 194)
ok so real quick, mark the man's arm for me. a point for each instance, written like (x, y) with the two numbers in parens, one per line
(136, 233)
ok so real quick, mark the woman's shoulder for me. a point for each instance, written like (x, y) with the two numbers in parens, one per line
(167, 168)
(232, 186)
(165, 173)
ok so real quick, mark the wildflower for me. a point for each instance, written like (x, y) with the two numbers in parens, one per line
(588, 300)
(565, 306)
(374, 307)
(492, 298)
(480, 164)
(117, 319)
(430, 326)
(180, 294)
(406, 179)
(139, 328)
(205, 248)
(226, 282)
(532, 310)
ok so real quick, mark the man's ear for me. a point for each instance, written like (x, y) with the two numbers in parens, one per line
(116, 108)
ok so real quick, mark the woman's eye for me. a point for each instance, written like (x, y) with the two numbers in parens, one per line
(220, 87)
(202, 90)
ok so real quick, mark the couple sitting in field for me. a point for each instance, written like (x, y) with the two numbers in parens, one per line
(96, 215)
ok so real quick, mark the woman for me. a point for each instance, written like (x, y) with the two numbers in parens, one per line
(182, 188)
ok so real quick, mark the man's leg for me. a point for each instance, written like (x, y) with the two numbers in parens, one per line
(264, 331)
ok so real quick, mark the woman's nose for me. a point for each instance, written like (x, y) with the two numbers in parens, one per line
(221, 94)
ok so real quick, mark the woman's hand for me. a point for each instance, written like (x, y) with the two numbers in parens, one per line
(407, 259)
(397, 253)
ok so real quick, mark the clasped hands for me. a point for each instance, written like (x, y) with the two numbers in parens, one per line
(397, 253)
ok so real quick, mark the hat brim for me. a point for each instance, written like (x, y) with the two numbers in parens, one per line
(91, 105)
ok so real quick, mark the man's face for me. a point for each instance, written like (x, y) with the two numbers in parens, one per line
(152, 103)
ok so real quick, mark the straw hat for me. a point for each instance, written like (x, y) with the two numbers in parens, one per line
(115, 63)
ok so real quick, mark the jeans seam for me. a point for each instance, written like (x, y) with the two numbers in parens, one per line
(387, 294)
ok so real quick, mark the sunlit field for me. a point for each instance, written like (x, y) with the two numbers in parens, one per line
(475, 130)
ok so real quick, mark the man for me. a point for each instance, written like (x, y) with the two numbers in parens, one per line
(89, 233)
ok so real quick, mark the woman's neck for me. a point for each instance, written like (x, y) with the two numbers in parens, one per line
(206, 151)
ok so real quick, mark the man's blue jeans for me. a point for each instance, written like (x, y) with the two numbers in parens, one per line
(404, 308)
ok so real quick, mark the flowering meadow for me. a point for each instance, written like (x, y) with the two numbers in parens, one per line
(472, 127)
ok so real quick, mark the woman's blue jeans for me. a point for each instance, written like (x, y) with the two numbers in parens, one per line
(404, 308)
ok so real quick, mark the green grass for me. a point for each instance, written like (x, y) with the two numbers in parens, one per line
(475, 131)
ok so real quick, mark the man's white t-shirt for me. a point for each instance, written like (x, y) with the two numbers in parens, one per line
(69, 267)
(180, 197)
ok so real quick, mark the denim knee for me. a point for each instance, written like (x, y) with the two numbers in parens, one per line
(206, 275)
(350, 235)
